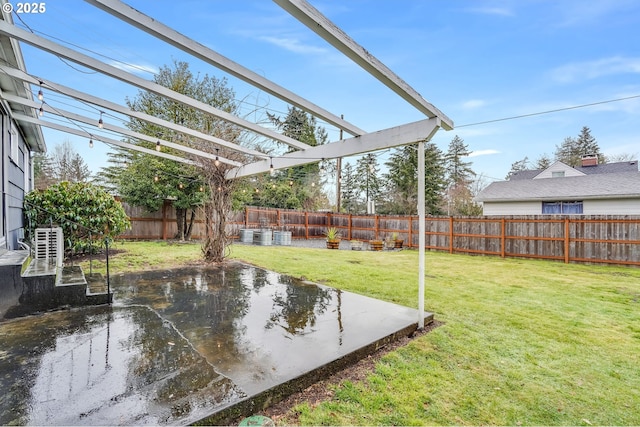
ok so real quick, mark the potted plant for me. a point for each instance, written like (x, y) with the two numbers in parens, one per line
(397, 243)
(376, 245)
(356, 245)
(333, 238)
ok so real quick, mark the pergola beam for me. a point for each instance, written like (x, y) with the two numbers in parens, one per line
(167, 34)
(321, 25)
(400, 135)
(78, 132)
(108, 105)
(136, 135)
(109, 70)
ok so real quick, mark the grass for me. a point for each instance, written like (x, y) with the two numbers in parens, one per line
(524, 342)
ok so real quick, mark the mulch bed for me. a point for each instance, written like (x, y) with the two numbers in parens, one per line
(324, 390)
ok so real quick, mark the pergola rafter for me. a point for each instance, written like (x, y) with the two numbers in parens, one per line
(117, 108)
(362, 142)
(110, 70)
(109, 127)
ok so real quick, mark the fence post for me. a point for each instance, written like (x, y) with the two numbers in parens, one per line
(306, 225)
(377, 227)
(566, 240)
(450, 234)
(410, 237)
(349, 227)
(278, 218)
(503, 238)
(164, 220)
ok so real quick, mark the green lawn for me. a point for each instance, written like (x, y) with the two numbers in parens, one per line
(524, 342)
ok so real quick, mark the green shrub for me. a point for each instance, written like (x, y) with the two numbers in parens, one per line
(86, 213)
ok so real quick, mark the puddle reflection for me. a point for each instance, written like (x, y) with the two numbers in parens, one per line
(175, 346)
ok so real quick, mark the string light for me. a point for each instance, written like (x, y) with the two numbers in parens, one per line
(217, 161)
(41, 110)
(181, 185)
(91, 143)
(290, 183)
(322, 166)
(100, 122)
(271, 170)
(40, 94)
(201, 188)
(158, 145)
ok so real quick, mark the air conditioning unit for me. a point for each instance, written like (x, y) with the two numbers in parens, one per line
(49, 244)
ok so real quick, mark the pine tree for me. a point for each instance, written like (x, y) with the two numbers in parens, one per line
(368, 180)
(518, 166)
(402, 180)
(459, 172)
(349, 189)
(572, 149)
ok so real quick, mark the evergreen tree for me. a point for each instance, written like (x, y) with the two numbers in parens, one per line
(459, 177)
(459, 172)
(543, 162)
(368, 180)
(349, 189)
(572, 149)
(306, 192)
(42, 171)
(518, 166)
(402, 180)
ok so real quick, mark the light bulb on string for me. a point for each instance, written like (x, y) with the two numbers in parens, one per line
(201, 188)
(322, 166)
(100, 122)
(41, 110)
(158, 148)
(40, 94)
(217, 160)
(156, 178)
(271, 170)
(91, 143)
(181, 186)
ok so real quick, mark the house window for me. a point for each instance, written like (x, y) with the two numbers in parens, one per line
(557, 174)
(13, 145)
(558, 208)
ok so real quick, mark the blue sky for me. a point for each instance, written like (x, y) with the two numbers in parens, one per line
(477, 61)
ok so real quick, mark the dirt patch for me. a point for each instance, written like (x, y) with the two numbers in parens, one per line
(322, 391)
(101, 256)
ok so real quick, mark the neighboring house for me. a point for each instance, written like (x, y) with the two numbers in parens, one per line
(18, 140)
(590, 189)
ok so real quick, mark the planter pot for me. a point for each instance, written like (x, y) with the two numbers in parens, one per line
(397, 244)
(333, 244)
(282, 238)
(376, 245)
(356, 245)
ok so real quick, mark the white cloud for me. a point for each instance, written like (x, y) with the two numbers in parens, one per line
(139, 69)
(293, 45)
(473, 104)
(593, 69)
(478, 153)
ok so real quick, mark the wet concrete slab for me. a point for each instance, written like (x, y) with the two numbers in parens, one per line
(184, 345)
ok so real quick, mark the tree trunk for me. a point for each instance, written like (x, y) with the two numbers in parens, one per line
(216, 212)
(180, 219)
(187, 235)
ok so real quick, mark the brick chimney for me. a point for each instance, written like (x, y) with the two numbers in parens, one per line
(589, 160)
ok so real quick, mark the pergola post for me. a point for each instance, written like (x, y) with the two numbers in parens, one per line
(421, 235)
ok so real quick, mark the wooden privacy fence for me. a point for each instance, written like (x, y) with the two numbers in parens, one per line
(583, 239)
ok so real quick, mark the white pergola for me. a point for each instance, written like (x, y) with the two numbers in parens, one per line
(358, 143)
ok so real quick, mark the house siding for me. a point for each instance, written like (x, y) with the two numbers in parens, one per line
(558, 167)
(512, 208)
(612, 207)
(16, 176)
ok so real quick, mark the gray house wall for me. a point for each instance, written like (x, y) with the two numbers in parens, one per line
(16, 182)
